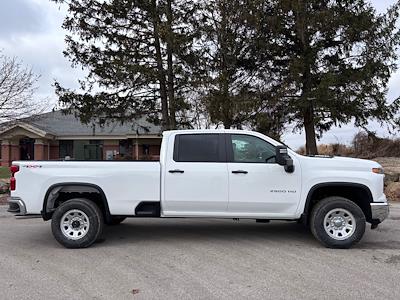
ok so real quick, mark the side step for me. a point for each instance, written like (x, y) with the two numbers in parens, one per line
(148, 209)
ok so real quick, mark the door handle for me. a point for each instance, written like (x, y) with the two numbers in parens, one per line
(240, 172)
(176, 171)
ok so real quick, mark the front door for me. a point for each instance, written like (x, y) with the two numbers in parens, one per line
(196, 179)
(27, 149)
(92, 152)
(258, 185)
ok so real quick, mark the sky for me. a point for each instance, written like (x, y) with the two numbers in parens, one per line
(31, 31)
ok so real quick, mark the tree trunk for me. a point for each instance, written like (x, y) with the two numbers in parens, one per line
(160, 68)
(309, 128)
(227, 124)
(170, 71)
(307, 104)
(224, 77)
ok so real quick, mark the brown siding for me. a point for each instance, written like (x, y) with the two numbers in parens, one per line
(54, 151)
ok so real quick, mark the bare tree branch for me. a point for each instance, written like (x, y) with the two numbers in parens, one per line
(17, 88)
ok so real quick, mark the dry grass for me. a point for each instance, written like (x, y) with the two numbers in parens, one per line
(364, 145)
(367, 145)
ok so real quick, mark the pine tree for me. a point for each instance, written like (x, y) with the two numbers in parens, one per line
(243, 79)
(137, 54)
(337, 58)
(231, 95)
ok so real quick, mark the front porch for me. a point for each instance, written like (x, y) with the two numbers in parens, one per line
(25, 142)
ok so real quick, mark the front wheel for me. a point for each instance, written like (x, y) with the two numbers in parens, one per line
(337, 222)
(77, 223)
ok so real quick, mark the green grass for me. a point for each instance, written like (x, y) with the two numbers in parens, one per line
(4, 172)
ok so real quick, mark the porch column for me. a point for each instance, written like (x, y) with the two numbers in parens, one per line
(5, 153)
(136, 149)
(39, 150)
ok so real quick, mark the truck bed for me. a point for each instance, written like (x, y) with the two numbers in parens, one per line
(124, 183)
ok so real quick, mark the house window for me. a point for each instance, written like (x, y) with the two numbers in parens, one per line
(125, 148)
(66, 149)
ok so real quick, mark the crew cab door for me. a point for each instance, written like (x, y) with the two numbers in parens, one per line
(258, 185)
(196, 177)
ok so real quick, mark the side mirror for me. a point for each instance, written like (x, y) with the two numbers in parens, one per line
(281, 155)
(282, 158)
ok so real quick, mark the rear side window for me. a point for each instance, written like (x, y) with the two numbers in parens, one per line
(198, 148)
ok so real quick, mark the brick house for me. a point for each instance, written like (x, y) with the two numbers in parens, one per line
(56, 136)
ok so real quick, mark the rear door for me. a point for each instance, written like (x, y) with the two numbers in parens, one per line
(196, 179)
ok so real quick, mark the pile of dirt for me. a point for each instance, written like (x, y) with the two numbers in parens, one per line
(4, 191)
(391, 166)
(3, 199)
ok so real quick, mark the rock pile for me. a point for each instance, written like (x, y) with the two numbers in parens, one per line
(391, 166)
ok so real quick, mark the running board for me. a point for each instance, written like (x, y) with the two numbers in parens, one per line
(148, 209)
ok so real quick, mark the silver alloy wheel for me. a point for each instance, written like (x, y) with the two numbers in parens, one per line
(339, 224)
(74, 224)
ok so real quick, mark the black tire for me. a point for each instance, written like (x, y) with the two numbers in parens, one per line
(94, 220)
(338, 205)
(116, 221)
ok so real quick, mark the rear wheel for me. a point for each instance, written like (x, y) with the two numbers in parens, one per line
(77, 223)
(337, 222)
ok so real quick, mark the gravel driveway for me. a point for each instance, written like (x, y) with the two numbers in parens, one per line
(197, 259)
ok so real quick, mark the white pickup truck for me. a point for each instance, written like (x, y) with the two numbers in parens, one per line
(205, 174)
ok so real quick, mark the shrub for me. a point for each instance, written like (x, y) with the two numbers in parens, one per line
(364, 145)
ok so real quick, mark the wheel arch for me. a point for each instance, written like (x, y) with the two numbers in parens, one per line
(356, 192)
(54, 190)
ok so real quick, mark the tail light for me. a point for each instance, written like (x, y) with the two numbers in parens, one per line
(14, 169)
(13, 183)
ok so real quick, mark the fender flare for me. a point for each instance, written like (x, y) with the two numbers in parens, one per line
(304, 215)
(46, 215)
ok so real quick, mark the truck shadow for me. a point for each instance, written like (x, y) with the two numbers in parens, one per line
(199, 231)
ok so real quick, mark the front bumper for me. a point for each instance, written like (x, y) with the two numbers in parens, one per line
(379, 211)
(16, 206)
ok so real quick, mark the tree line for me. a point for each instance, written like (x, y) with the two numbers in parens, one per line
(236, 63)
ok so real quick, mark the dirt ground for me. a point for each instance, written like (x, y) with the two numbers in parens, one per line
(197, 259)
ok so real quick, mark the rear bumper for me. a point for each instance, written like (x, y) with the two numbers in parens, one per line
(16, 206)
(379, 211)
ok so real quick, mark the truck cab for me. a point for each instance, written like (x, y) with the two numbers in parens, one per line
(227, 174)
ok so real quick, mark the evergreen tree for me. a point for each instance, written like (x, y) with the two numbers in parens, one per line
(231, 93)
(243, 78)
(338, 57)
(137, 54)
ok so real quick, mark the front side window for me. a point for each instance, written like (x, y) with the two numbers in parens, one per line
(251, 149)
(197, 148)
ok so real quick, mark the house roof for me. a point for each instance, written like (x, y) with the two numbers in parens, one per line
(58, 124)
